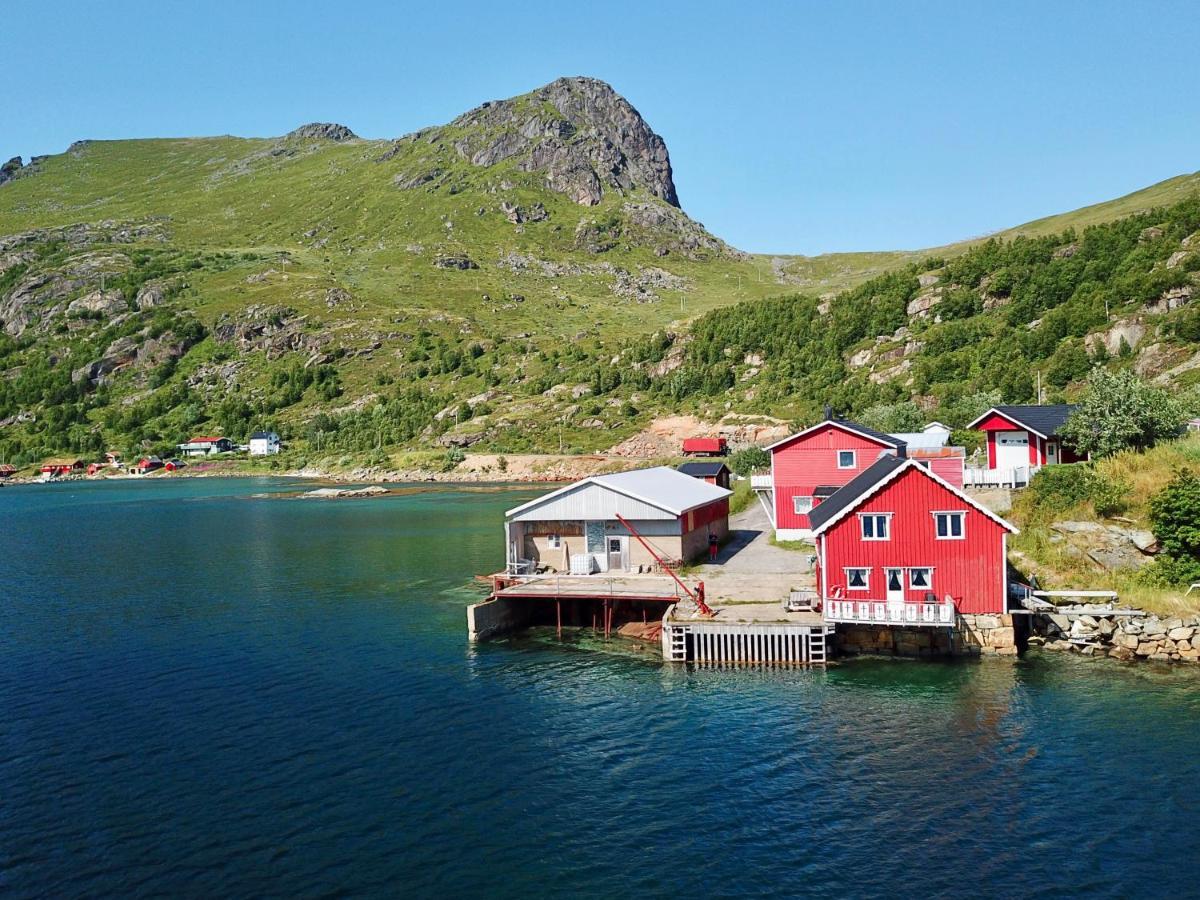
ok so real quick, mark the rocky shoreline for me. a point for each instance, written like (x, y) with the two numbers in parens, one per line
(1124, 635)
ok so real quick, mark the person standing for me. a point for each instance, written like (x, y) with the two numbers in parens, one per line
(713, 546)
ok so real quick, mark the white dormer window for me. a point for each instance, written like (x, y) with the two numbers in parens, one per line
(846, 459)
(950, 526)
(555, 542)
(875, 526)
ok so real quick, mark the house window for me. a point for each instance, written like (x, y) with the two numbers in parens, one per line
(875, 526)
(950, 526)
(555, 542)
(802, 506)
(858, 579)
(920, 579)
(846, 459)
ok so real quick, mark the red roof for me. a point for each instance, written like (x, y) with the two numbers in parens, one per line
(205, 440)
(704, 444)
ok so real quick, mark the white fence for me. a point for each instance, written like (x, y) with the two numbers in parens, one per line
(879, 612)
(1010, 476)
(761, 482)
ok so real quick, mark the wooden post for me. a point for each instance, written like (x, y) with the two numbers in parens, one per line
(558, 610)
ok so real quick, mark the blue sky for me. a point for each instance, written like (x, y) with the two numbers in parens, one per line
(792, 127)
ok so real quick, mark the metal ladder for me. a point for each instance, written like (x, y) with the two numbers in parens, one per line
(817, 646)
(678, 648)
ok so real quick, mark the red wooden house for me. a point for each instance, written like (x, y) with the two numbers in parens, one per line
(809, 466)
(56, 468)
(900, 545)
(1020, 436)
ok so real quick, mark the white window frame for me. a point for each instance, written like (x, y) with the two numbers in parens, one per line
(948, 536)
(796, 504)
(887, 517)
(866, 577)
(853, 459)
(928, 570)
(554, 541)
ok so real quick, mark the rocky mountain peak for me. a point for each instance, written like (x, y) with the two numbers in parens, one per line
(323, 131)
(584, 136)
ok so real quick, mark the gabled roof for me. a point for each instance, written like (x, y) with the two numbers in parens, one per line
(703, 469)
(205, 440)
(885, 440)
(660, 486)
(263, 435)
(886, 470)
(1044, 421)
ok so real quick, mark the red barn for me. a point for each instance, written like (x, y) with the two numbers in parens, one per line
(899, 535)
(1025, 436)
(811, 465)
(705, 447)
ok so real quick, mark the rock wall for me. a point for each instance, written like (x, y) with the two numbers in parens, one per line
(1125, 637)
(972, 635)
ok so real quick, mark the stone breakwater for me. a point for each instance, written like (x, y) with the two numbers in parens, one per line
(1122, 636)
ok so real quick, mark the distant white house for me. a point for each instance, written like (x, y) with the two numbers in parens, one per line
(264, 443)
(932, 437)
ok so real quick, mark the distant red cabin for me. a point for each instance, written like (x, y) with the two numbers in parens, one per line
(900, 534)
(809, 466)
(7, 471)
(148, 464)
(705, 447)
(58, 467)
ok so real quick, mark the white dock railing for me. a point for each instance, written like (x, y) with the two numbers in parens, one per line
(879, 612)
(761, 482)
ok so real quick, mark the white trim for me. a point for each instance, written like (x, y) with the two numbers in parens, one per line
(961, 513)
(1021, 426)
(891, 444)
(846, 570)
(853, 459)
(929, 473)
(886, 516)
(824, 569)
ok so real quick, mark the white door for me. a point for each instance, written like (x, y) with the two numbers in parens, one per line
(616, 554)
(1051, 452)
(894, 582)
(1012, 449)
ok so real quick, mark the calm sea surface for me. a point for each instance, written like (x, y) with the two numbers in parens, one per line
(206, 690)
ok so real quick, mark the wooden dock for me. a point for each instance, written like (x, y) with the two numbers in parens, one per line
(751, 634)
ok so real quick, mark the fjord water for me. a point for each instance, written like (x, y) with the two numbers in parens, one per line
(209, 689)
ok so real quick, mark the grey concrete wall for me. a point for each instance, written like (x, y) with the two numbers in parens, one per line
(493, 617)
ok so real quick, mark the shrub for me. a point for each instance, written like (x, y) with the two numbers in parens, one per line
(1055, 489)
(453, 457)
(1120, 411)
(1175, 518)
(746, 461)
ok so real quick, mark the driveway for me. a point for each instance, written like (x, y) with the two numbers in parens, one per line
(749, 567)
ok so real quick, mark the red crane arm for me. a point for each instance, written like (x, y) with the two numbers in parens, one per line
(698, 599)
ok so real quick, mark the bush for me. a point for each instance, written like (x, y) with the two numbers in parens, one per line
(746, 461)
(453, 457)
(1120, 411)
(1175, 518)
(1055, 489)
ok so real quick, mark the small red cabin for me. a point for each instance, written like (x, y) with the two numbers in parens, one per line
(1020, 436)
(900, 534)
(58, 467)
(705, 447)
(811, 465)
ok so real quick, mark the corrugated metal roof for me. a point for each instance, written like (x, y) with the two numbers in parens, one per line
(661, 488)
(922, 440)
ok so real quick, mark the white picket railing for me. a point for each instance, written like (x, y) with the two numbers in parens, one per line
(761, 482)
(879, 612)
(1009, 476)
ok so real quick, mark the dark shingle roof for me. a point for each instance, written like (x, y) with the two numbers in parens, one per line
(261, 435)
(850, 492)
(702, 469)
(1045, 420)
(890, 439)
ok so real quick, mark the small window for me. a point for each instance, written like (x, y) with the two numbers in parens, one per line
(846, 459)
(555, 542)
(875, 526)
(802, 506)
(950, 526)
(919, 579)
(858, 579)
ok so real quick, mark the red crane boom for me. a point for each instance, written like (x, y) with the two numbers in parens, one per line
(696, 597)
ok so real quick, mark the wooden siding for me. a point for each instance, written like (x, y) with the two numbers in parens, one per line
(971, 570)
(948, 468)
(801, 466)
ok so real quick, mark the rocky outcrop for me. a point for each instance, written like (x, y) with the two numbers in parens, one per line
(1111, 547)
(1128, 635)
(275, 330)
(455, 261)
(322, 131)
(579, 133)
(11, 169)
(519, 215)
